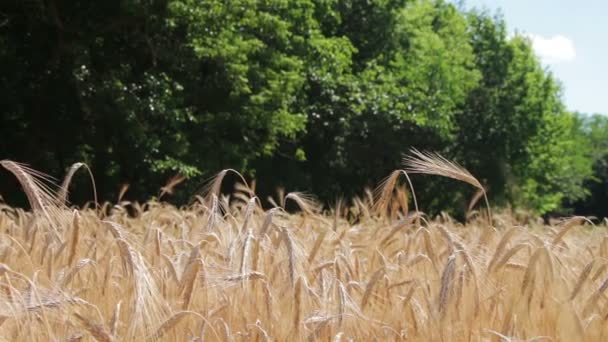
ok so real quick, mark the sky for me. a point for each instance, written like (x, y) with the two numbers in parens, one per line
(571, 39)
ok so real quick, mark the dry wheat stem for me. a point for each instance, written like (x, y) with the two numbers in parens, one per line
(435, 164)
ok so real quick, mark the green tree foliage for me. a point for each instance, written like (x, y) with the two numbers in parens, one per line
(316, 95)
(403, 95)
(89, 81)
(593, 130)
(514, 129)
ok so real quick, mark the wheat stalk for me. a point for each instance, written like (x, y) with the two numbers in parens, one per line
(75, 238)
(113, 324)
(62, 194)
(306, 202)
(245, 252)
(385, 190)
(297, 298)
(508, 255)
(341, 302)
(567, 226)
(435, 164)
(37, 188)
(446, 282)
(316, 246)
(581, 279)
(501, 246)
(248, 212)
(213, 187)
(290, 254)
(171, 322)
(370, 286)
(408, 283)
(98, 331)
(170, 185)
(188, 280)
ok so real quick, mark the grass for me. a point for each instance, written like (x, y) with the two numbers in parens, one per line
(223, 268)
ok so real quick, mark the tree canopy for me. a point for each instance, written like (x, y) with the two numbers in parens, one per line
(323, 96)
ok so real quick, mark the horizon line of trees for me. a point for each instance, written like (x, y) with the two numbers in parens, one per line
(322, 96)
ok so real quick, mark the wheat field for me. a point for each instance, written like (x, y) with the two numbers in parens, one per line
(225, 269)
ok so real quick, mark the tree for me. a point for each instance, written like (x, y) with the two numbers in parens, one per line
(323, 96)
(593, 129)
(381, 97)
(513, 129)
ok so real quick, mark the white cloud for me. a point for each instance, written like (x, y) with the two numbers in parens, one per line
(553, 50)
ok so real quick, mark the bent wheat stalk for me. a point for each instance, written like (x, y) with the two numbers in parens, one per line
(170, 185)
(38, 189)
(385, 190)
(214, 185)
(435, 164)
(62, 195)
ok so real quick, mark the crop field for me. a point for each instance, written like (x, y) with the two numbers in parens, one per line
(225, 269)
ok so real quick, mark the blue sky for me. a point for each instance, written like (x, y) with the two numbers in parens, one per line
(571, 38)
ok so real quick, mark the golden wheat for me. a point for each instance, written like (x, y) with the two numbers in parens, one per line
(226, 269)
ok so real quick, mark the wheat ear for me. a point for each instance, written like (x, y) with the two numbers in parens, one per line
(385, 190)
(297, 294)
(306, 202)
(245, 252)
(75, 238)
(98, 331)
(436, 164)
(189, 277)
(115, 319)
(170, 185)
(567, 226)
(446, 281)
(501, 246)
(62, 195)
(170, 323)
(214, 186)
(37, 188)
(370, 286)
(316, 246)
(510, 253)
(581, 279)
(291, 254)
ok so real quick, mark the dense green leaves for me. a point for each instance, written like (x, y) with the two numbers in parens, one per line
(316, 95)
(594, 137)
